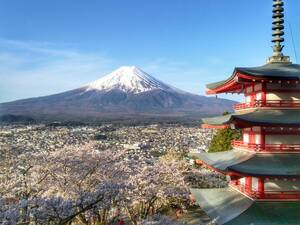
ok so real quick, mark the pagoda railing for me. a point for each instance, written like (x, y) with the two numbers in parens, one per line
(266, 147)
(279, 195)
(269, 103)
(271, 195)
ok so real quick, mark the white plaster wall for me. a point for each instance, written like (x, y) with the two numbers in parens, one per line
(257, 139)
(246, 138)
(259, 96)
(283, 96)
(283, 139)
(243, 181)
(282, 185)
(248, 99)
(254, 183)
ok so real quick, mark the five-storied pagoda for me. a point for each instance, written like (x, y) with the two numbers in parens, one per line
(264, 167)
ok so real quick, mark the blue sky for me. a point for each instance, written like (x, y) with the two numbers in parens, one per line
(50, 46)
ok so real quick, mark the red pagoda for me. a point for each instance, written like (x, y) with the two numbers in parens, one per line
(264, 167)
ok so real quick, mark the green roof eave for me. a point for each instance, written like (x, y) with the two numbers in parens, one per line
(218, 120)
(247, 163)
(258, 117)
(229, 207)
(222, 204)
(272, 71)
(269, 213)
(269, 165)
(214, 85)
(222, 160)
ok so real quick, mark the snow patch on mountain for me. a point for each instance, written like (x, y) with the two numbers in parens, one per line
(128, 79)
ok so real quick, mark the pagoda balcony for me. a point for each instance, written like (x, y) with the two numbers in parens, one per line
(266, 194)
(269, 103)
(266, 147)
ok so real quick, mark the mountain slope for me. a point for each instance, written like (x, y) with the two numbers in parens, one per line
(125, 93)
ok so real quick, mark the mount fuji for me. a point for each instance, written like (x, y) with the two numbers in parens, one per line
(129, 79)
(127, 92)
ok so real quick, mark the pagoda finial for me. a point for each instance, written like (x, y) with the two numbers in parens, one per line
(278, 32)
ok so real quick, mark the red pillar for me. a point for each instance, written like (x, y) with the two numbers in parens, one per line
(263, 138)
(261, 187)
(251, 136)
(264, 93)
(248, 184)
(253, 99)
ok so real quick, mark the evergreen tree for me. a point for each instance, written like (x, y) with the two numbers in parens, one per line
(222, 140)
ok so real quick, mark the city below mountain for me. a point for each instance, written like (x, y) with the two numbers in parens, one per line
(126, 93)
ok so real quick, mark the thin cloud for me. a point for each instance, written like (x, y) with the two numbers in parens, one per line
(38, 47)
(30, 69)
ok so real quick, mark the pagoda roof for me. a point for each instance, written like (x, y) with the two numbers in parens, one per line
(222, 204)
(274, 71)
(223, 160)
(269, 213)
(247, 163)
(230, 207)
(270, 165)
(257, 117)
(242, 75)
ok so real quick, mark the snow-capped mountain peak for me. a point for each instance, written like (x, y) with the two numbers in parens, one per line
(129, 79)
(127, 93)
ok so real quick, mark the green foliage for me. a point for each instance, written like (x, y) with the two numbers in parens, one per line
(222, 140)
(225, 113)
(99, 137)
(172, 156)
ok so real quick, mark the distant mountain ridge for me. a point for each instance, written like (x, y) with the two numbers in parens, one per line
(7, 118)
(127, 92)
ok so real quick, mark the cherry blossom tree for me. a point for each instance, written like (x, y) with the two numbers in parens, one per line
(155, 187)
(84, 185)
(58, 187)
